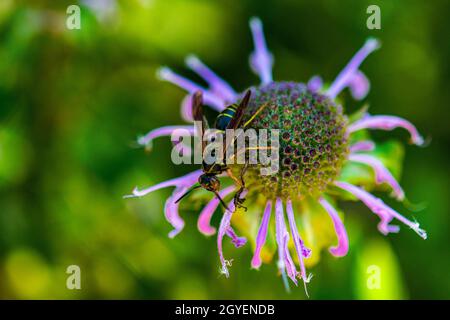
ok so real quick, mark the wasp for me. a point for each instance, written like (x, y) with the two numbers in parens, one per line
(230, 118)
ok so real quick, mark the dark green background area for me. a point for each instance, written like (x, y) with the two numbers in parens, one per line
(72, 103)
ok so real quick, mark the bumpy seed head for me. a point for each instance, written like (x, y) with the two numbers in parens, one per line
(313, 144)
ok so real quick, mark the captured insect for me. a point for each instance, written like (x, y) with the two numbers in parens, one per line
(229, 118)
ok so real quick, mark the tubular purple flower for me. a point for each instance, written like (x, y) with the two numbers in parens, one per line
(346, 76)
(261, 59)
(360, 146)
(285, 262)
(224, 229)
(217, 85)
(147, 139)
(385, 213)
(237, 241)
(381, 173)
(342, 247)
(184, 181)
(224, 224)
(262, 235)
(204, 220)
(359, 85)
(209, 98)
(302, 251)
(171, 212)
(384, 122)
(315, 84)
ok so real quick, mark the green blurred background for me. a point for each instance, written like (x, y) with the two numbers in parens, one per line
(72, 103)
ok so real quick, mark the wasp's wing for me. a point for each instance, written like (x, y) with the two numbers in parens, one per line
(236, 120)
(197, 113)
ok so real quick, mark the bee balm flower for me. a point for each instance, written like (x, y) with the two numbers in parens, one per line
(318, 147)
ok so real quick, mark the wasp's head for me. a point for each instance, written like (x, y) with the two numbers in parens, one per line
(209, 182)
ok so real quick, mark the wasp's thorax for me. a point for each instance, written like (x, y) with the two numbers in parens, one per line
(313, 143)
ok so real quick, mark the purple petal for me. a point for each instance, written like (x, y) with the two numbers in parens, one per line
(359, 85)
(186, 108)
(171, 212)
(302, 251)
(204, 220)
(385, 213)
(342, 247)
(171, 207)
(365, 145)
(285, 261)
(346, 76)
(224, 230)
(261, 60)
(237, 241)
(147, 139)
(224, 224)
(184, 181)
(218, 86)
(381, 173)
(209, 98)
(387, 123)
(315, 84)
(261, 237)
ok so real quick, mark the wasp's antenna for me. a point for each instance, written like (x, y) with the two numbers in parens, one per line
(186, 193)
(221, 201)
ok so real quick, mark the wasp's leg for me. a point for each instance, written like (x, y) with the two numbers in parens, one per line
(238, 201)
(240, 183)
(237, 197)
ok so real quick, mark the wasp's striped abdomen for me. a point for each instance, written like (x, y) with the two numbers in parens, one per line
(224, 118)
